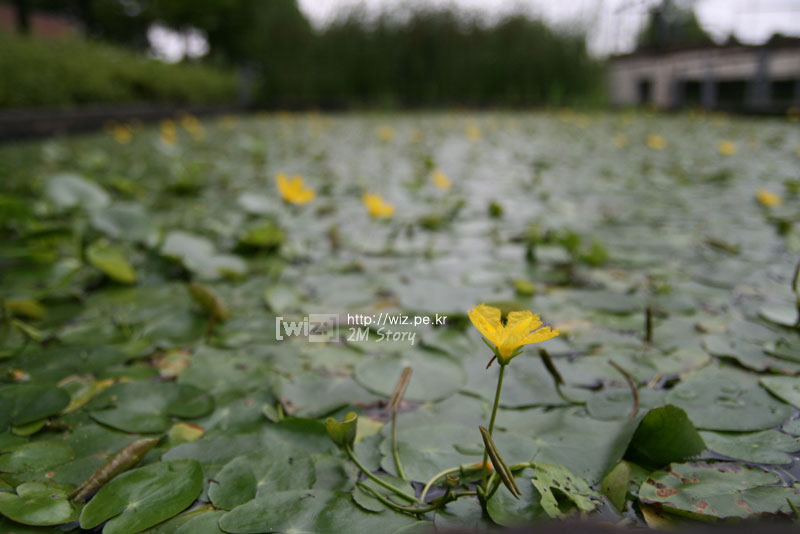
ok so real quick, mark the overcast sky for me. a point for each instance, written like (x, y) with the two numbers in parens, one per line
(612, 24)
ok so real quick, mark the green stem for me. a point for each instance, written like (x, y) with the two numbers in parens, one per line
(567, 398)
(491, 421)
(494, 483)
(436, 477)
(494, 480)
(395, 451)
(398, 491)
(398, 507)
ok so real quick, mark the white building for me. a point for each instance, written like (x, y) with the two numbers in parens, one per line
(730, 77)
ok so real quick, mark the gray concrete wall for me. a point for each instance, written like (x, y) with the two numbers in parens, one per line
(757, 65)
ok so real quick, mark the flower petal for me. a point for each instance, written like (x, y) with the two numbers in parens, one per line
(543, 334)
(487, 320)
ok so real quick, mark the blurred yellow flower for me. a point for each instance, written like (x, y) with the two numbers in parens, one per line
(377, 207)
(122, 133)
(473, 132)
(385, 133)
(620, 140)
(768, 198)
(521, 328)
(193, 126)
(726, 148)
(441, 180)
(169, 134)
(656, 142)
(294, 191)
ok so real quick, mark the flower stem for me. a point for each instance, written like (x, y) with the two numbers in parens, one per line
(407, 509)
(395, 451)
(436, 477)
(491, 422)
(398, 491)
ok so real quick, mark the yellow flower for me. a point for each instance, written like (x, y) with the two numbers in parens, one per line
(294, 191)
(656, 142)
(193, 126)
(768, 198)
(727, 148)
(620, 140)
(521, 328)
(377, 207)
(441, 180)
(385, 133)
(122, 133)
(473, 132)
(168, 132)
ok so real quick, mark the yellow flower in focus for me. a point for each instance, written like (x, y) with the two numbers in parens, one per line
(441, 180)
(521, 328)
(768, 198)
(656, 142)
(169, 134)
(294, 191)
(385, 133)
(377, 207)
(727, 148)
(122, 133)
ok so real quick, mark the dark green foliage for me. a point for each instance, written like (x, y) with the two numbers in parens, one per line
(72, 71)
(442, 57)
(670, 25)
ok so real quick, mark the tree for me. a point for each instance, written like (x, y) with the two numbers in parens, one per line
(670, 25)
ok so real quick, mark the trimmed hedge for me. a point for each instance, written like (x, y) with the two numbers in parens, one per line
(71, 71)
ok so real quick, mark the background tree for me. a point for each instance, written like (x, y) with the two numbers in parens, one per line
(670, 25)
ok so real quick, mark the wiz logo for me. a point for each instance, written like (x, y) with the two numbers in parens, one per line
(316, 327)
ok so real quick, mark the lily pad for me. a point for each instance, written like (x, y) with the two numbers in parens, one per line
(782, 314)
(766, 447)
(245, 477)
(718, 490)
(200, 256)
(554, 480)
(144, 497)
(35, 456)
(435, 377)
(508, 511)
(720, 404)
(23, 403)
(71, 191)
(664, 435)
(39, 504)
(786, 388)
(309, 511)
(111, 261)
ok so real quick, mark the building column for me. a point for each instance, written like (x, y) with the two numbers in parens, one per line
(759, 85)
(708, 96)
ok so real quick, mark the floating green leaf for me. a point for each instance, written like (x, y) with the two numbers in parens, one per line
(39, 504)
(144, 497)
(718, 490)
(664, 435)
(111, 261)
(766, 447)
